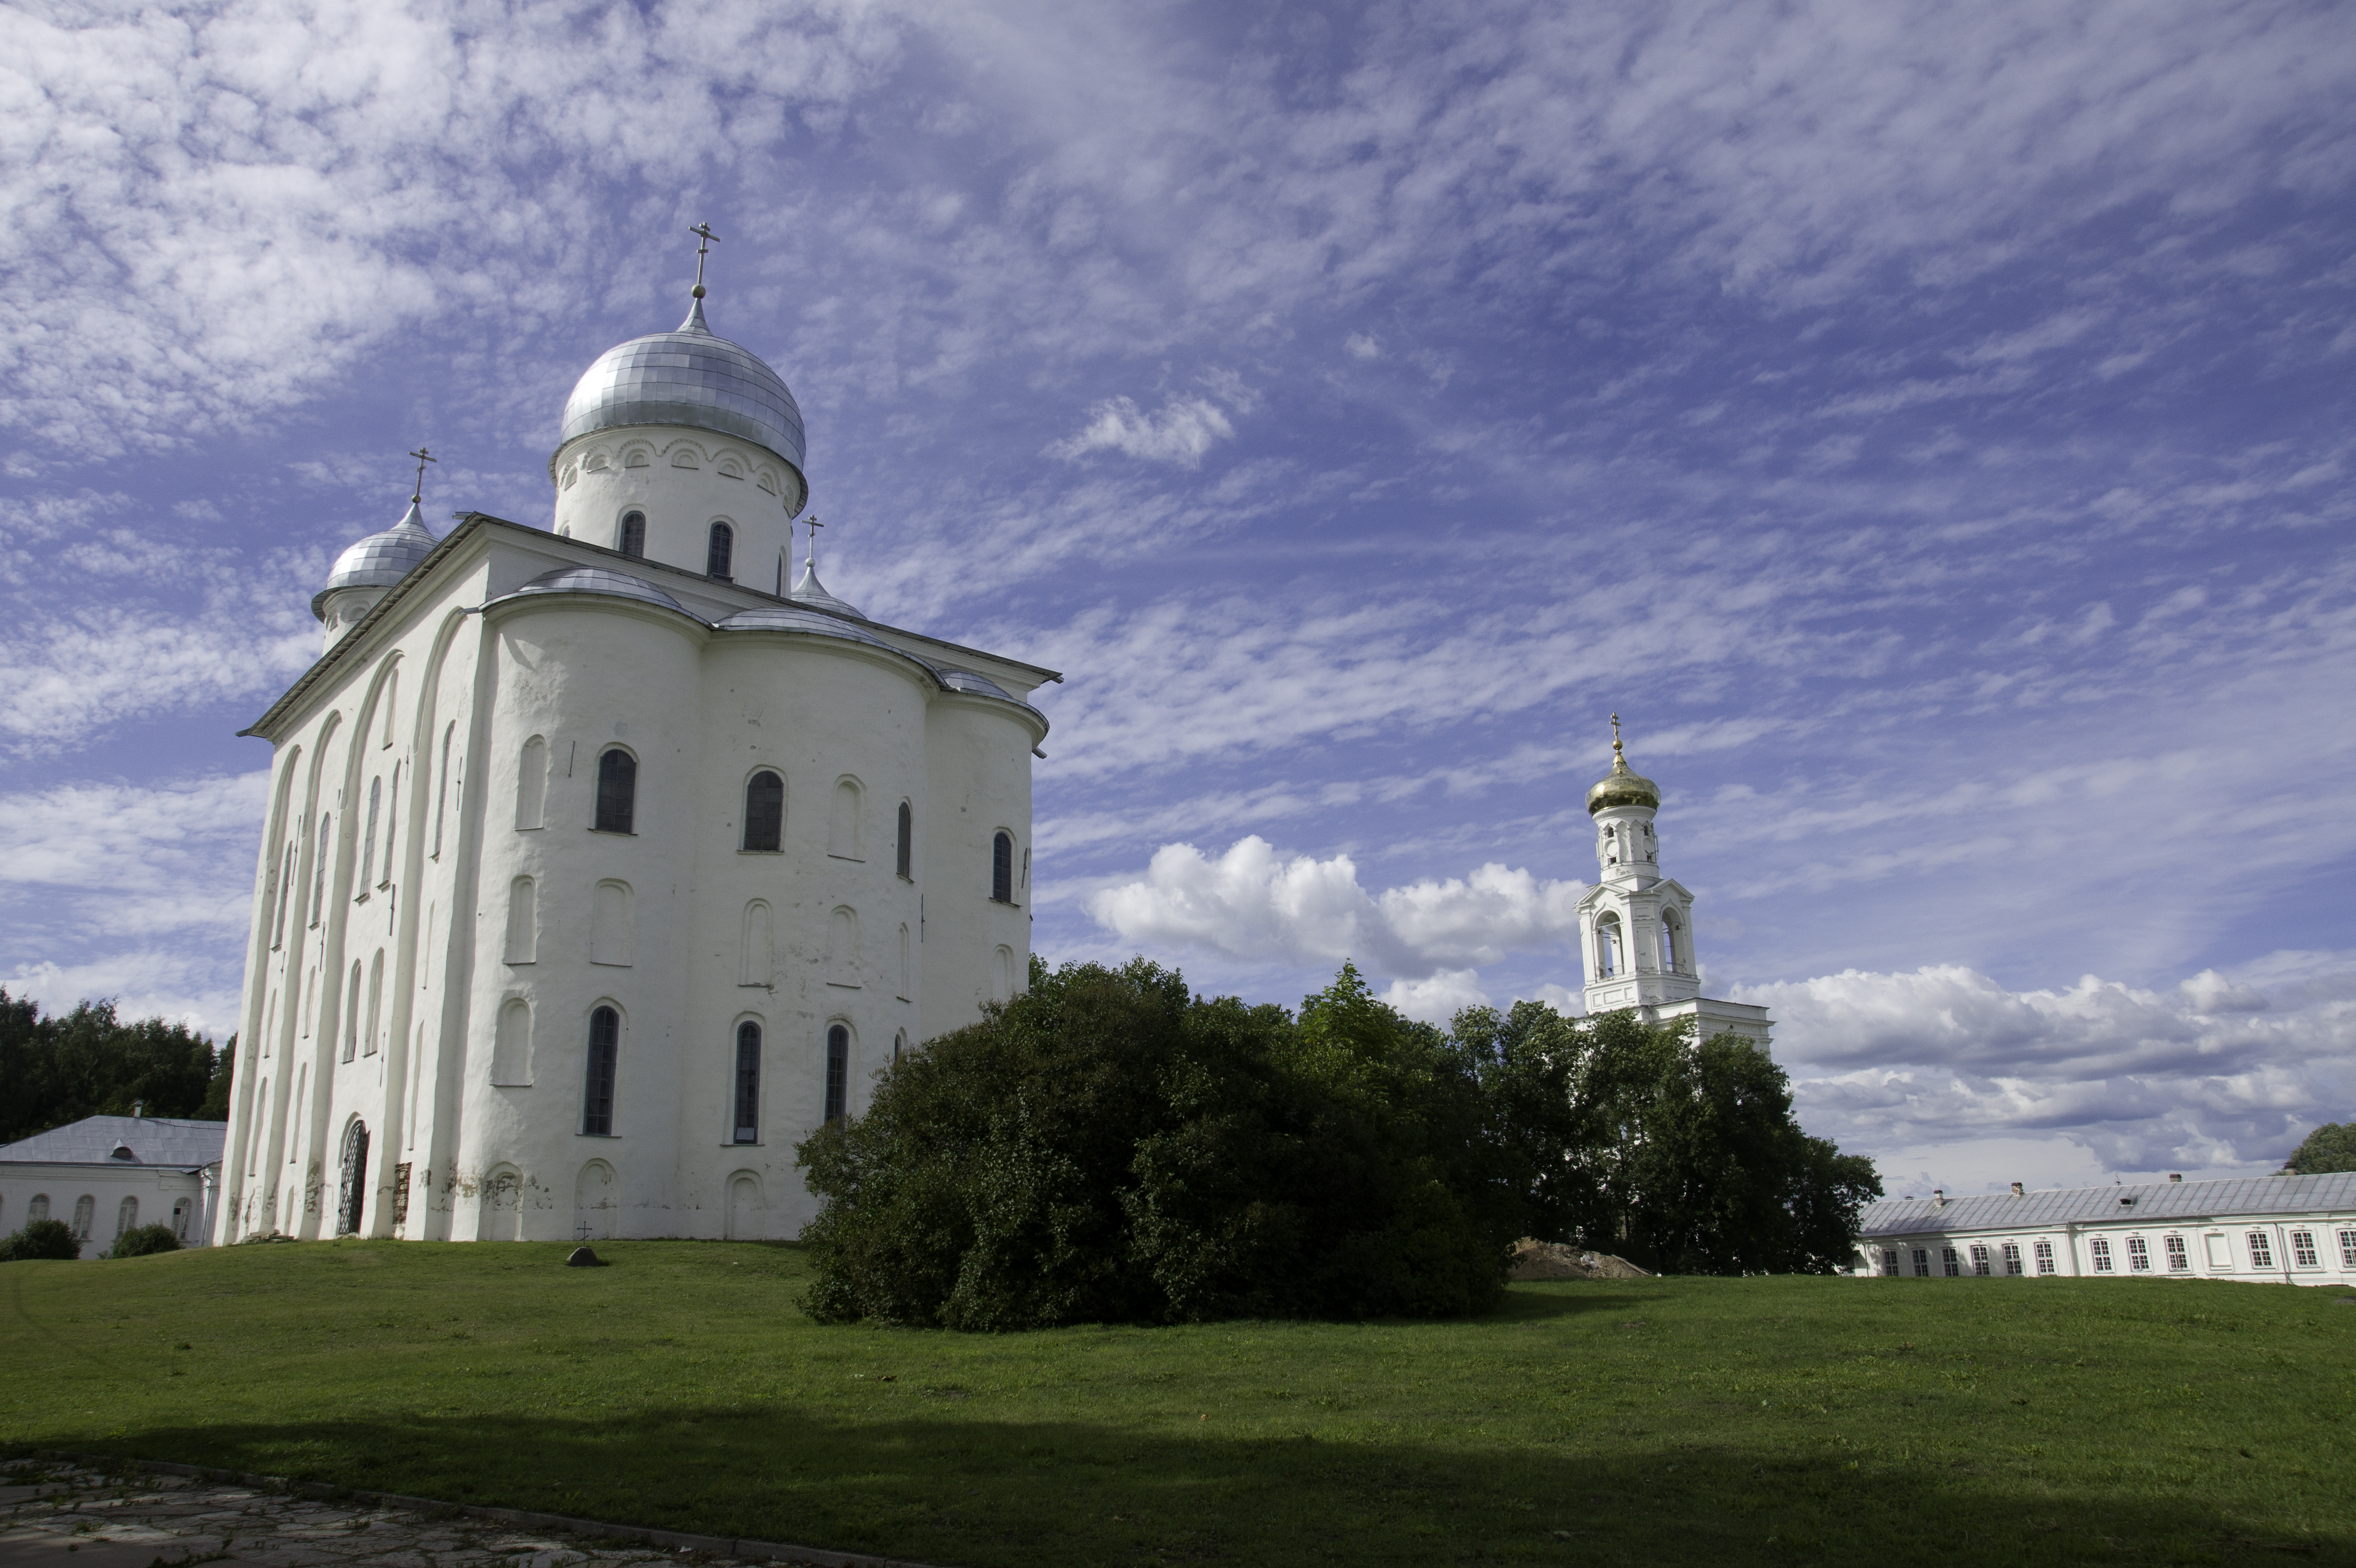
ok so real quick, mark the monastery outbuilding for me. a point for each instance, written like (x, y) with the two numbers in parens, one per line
(601, 867)
(2299, 1229)
(106, 1174)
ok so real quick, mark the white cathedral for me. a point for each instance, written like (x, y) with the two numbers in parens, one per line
(598, 874)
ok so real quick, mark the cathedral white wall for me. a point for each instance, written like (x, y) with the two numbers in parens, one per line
(459, 1148)
(979, 779)
(684, 481)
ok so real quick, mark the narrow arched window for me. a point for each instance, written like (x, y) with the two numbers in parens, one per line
(126, 1215)
(391, 822)
(319, 872)
(604, 1055)
(442, 791)
(899, 1044)
(1607, 948)
(368, 843)
(1669, 947)
(718, 554)
(765, 812)
(617, 792)
(907, 851)
(837, 1071)
(286, 896)
(85, 1211)
(352, 1016)
(749, 1082)
(632, 541)
(1001, 868)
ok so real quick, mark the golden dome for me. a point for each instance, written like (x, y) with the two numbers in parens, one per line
(1620, 787)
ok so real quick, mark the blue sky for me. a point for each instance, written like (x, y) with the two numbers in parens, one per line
(1928, 427)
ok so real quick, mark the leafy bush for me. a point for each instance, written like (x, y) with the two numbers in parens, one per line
(49, 1238)
(142, 1240)
(1108, 1148)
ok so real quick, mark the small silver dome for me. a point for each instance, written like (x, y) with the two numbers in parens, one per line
(808, 590)
(596, 580)
(380, 560)
(694, 378)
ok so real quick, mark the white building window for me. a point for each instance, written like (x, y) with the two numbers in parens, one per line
(1921, 1262)
(2138, 1256)
(1979, 1258)
(2101, 1248)
(1888, 1260)
(1952, 1264)
(2348, 1248)
(2262, 1253)
(2044, 1250)
(2302, 1250)
(2178, 1260)
(2012, 1258)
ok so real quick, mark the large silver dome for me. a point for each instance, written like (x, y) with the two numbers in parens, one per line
(694, 378)
(378, 561)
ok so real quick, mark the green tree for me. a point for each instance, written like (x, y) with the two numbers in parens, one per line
(1106, 1147)
(142, 1240)
(49, 1239)
(89, 1062)
(2331, 1147)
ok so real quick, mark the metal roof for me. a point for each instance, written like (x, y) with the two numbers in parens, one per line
(595, 580)
(781, 618)
(92, 1141)
(2156, 1202)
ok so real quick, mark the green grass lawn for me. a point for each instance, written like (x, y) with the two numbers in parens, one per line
(1721, 1421)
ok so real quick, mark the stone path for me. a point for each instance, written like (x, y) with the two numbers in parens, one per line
(60, 1515)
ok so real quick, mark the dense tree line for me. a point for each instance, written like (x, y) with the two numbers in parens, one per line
(2331, 1147)
(63, 1066)
(1107, 1148)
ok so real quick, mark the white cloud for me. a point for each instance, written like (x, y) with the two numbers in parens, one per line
(1254, 903)
(1440, 997)
(1179, 432)
(2220, 1073)
(137, 892)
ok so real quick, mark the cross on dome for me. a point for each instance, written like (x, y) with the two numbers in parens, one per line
(417, 490)
(701, 251)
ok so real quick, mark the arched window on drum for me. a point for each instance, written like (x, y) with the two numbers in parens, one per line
(617, 792)
(838, 1072)
(632, 541)
(1002, 869)
(765, 812)
(720, 552)
(749, 1082)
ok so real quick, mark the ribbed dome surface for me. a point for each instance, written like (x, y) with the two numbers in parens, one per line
(380, 560)
(689, 377)
(783, 618)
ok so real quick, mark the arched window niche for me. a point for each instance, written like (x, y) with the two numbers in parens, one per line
(617, 792)
(1673, 942)
(749, 1082)
(720, 551)
(631, 537)
(904, 857)
(603, 1067)
(837, 1071)
(1608, 958)
(764, 813)
(531, 785)
(844, 829)
(1001, 868)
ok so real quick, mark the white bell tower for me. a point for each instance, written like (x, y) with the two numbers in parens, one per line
(1636, 925)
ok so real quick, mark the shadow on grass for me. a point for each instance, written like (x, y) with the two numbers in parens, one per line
(917, 1482)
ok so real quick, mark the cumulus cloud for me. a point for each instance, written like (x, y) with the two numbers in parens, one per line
(2220, 1073)
(140, 892)
(1255, 903)
(1179, 431)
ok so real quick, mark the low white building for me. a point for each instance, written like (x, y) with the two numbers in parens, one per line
(104, 1174)
(2299, 1229)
